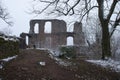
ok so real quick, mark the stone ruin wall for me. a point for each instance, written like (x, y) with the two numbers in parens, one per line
(56, 38)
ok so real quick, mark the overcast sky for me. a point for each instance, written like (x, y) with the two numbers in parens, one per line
(18, 11)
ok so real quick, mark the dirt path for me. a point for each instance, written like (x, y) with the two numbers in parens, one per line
(26, 67)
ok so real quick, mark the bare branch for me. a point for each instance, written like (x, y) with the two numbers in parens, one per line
(116, 23)
(112, 9)
(69, 8)
(4, 15)
(87, 12)
(38, 11)
(48, 1)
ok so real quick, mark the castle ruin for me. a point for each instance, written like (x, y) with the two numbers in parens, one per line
(57, 37)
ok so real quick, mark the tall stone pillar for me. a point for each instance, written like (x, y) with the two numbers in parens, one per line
(79, 38)
(58, 33)
(32, 24)
(41, 34)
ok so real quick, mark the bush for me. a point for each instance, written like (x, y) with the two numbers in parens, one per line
(67, 52)
(8, 48)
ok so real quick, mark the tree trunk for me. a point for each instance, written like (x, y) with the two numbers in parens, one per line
(106, 49)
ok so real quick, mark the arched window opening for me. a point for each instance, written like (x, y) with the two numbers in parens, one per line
(27, 40)
(36, 29)
(70, 41)
(48, 27)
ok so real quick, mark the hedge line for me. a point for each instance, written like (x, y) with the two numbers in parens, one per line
(8, 48)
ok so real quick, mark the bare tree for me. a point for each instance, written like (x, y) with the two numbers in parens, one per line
(4, 15)
(108, 13)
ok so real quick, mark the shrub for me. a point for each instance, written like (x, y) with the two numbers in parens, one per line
(67, 52)
(8, 48)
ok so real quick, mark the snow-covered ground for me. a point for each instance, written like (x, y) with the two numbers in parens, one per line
(53, 55)
(114, 65)
(42, 63)
(9, 58)
(59, 61)
(6, 60)
(7, 38)
(1, 66)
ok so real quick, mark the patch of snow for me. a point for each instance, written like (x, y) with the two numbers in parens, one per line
(58, 60)
(13, 39)
(42, 63)
(54, 53)
(64, 63)
(9, 58)
(6, 60)
(115, 65)
(1, 66)
(118, 51)
(7, 38)
(118, 66)
(41, 48)
(51, 56)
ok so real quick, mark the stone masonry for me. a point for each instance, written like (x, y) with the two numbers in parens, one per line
(56, 38)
